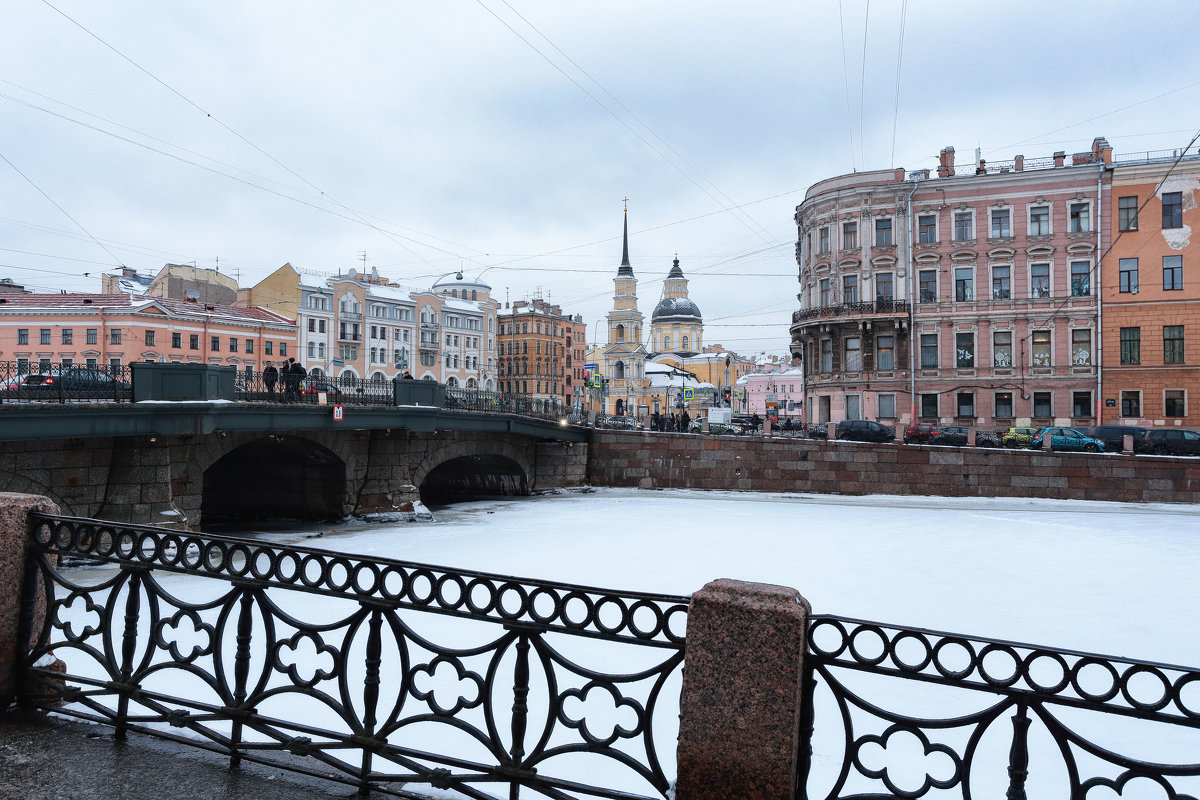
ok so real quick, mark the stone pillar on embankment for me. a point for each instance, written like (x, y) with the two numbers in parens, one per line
(14, 538)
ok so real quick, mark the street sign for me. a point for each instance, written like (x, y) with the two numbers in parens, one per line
(337, 414)
(688, 394)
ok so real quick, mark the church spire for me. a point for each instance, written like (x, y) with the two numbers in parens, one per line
(625, 268)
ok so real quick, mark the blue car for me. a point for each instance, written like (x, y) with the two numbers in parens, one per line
(1066, 439)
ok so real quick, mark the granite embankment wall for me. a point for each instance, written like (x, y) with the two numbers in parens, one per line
(694, 461)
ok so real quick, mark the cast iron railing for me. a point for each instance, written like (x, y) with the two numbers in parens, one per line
(902, 712)
(889, 307)
(403, 676)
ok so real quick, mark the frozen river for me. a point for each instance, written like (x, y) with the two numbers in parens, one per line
(1111, 578)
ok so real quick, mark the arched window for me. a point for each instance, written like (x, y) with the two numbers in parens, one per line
(473, 294)
(619, 370)
(666, 343)
(620, 333)
(685, 343)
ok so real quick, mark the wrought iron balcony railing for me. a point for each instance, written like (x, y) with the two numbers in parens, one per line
(895, 308)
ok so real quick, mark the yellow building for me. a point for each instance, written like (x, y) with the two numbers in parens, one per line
(623, 357)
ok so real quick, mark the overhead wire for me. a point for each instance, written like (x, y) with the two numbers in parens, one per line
(862, 87)
(846, 84)
(899, 64)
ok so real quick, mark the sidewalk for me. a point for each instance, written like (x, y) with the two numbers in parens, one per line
(45, 758)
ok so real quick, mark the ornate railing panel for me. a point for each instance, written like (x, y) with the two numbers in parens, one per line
(392, 677)
(466, 399)
(905, 712)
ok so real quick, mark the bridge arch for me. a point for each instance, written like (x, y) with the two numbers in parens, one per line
(271, 477)
(468, 469)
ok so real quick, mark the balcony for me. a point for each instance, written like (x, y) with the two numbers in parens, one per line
(879, 308)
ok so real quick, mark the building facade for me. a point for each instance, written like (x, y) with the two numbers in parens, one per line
(623, 357)
(541, 352)
(42, 332)
(965, 298)
(1151, 294)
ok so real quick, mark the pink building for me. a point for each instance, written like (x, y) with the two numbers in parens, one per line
(773, 394)
(968, 297)
(39, 332)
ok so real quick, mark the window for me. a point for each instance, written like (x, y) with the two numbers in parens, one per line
(964, 230)
(312, 349)
(1039, 280)
(884, 287)
(214, 344)
(885, 355)
(849, 235)
(1172, 344)
(1172, 205)
(114, 366)
(963, 283)
(22, 335)
(1127, 271)
(964, 403)
(176, 340)
(928, 285)
(853, 406)
(249, 345)
(1042, 404)
(824, 292)
(194, 341)
(929, 351)
(826, 355)
(1174, 403)
(1131, 345)
(1039, 221)
(685, 343)
(964, 349)
(1081, 284)
(114, 336)
(1041, 348)
(149, 338)
(885, 406)
(91, 336)
(929, 405)
(883, 232)
(1001, 286)
(853, 354)
(1001, 223)
(312, 325)
(1080, 217)
(849, 288)
(927, 229)
(44, 336)
(1081, 404)
(267, 348)
(43, 365)
(1127, 213)
(22, 366)
(1081, 347)
(68, 336)
(1131, 403)
(1002, 349)
(666, 343)
(824, 239)
(1172, 273)
(1004, 407)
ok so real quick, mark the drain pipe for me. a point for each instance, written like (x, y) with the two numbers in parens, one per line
(1099, 403)
(912, 310)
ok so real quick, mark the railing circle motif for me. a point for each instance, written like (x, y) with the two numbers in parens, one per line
(1078, 679)
(974, 660)
(818, 630)
(908, 665)
(447, 583)
(858, 641)
(1127, 691)
(1037, 660)
(606, 602)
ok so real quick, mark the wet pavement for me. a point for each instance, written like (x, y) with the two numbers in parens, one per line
(49, 758)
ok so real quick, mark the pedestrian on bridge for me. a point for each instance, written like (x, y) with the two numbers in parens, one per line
(270, 377)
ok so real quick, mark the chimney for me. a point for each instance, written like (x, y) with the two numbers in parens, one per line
(1059, 157)
(1101, 150)
(982, 168)
(1019, 163)
(946, 162)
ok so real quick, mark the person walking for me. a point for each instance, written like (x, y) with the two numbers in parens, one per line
(685, 423)
(270, 376)
(295, 374)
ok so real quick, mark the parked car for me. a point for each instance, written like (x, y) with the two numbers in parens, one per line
(1172, 441)
(717, 428)
(81, 382)
(621, 423)
(864, 430)
(1066, 439)
(818, 431)
(959, 436)
(1018, 437)
(920, 433)
(319, 385)
(1113, 436)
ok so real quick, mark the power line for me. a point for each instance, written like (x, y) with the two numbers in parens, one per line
(899, 63)
(846, 84)
(862, 87)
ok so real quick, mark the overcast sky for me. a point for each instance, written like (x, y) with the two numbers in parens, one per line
(501, 136)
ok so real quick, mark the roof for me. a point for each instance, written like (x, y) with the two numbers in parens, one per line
(675, 308)
(134, 304)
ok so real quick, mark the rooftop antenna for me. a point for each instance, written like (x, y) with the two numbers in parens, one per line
(218, 263)
(362, 256)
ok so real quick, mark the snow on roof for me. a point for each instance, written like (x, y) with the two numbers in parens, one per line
(401, 293)
(134, 303)
(453, 304)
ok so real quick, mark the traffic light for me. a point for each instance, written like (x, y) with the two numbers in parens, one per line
(725, 395)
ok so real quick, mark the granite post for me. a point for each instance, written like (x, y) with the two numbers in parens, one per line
(14, 534)
(740, 706)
